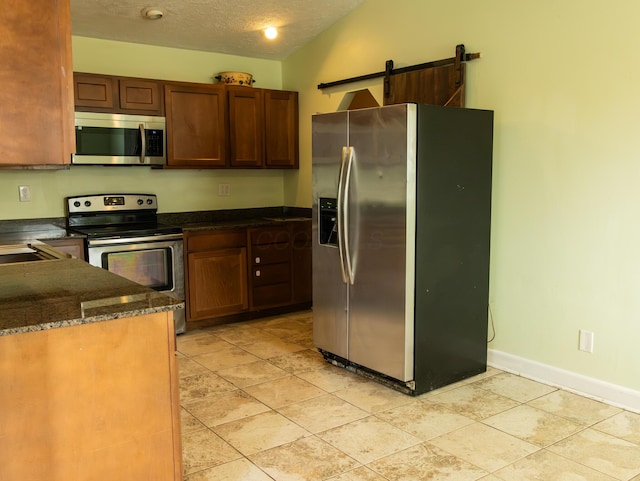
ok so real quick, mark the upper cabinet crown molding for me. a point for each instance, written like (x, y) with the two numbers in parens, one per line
(36, 117)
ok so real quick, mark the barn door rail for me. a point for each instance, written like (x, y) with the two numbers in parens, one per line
(460, 57)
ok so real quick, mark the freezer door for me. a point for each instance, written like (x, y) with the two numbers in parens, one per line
(380, 216)
(329, 136)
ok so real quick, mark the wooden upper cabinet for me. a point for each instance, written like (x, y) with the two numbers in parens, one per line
(246, 127)
(281, 129)
(124, 95)
(36, 94)
(196, 125)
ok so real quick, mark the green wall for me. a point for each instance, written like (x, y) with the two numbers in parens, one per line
(562, 79)
(177, 190)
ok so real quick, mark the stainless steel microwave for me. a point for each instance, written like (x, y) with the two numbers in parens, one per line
(118, 139)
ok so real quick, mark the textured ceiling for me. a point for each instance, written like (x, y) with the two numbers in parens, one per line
(225, 26)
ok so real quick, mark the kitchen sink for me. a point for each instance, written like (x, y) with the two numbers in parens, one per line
(14, 254)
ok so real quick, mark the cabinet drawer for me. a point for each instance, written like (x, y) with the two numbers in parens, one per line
(270, 253)
(271, 274)
(270, 235)
(216, 240)
(273, 295)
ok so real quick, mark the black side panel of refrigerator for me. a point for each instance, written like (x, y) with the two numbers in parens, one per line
(453, 210)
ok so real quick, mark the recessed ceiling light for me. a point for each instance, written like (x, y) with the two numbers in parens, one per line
(152, 13)
(271, 32)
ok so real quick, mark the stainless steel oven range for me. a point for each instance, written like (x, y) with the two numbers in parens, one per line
(124, 237)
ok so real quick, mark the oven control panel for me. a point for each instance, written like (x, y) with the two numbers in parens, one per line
(111, 202)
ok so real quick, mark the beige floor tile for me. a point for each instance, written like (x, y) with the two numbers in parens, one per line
(533, 425)
(576, 408)
(373, 397)
(544, 466)
(203, 449)
(284, 391)
(248, 335)
(425, 420)
(625, 425)
(272, 348)
(188, 422)
(284, 328)
(369, 439)
(308, 459)
(332, 378)
(473, 402)
(260, 432)
(225, 407)
(252, 373)
(225, 358)
(238, 470)
(515, 387)
(426, 462)
(188, 367)
(359, 474)
(610, 455)
(484, 446)
(201, 385)
(201, 344)
(301, 361)
(322, 413)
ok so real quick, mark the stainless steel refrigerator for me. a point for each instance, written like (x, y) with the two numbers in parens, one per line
(401, 225)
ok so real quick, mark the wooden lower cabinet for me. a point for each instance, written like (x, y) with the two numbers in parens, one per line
(216, 274)
(94, 401)
(240, 274)
(74, 247)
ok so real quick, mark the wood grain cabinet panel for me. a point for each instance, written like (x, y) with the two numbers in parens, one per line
(36, 93)
(196, 125)
(281, 129)
(270, 256)
(96, 401)
(140, 95)
(246, 127)
(93, 91)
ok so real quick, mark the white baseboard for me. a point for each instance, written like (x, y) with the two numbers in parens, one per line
(613, 394)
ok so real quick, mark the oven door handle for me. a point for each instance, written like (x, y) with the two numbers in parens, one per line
(135, 240)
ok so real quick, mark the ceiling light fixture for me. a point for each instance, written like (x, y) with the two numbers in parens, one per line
(152, 13)
(271, 32)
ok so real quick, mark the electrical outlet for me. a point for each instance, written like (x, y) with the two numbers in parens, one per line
(224, 190)
(24, 193)
(585, 342)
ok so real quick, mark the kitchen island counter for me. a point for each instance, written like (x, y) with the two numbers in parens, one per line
(50, 294)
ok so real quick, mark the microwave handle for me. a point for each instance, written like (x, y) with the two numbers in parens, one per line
(143, 143)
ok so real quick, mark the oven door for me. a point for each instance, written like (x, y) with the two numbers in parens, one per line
(155, 262)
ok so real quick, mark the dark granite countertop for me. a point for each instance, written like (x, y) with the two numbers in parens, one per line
(56, 293)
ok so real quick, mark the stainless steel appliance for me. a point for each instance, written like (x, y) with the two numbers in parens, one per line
(124, 237)
(401, 218)
(117, 139)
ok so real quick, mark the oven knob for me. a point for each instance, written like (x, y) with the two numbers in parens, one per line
(140, 201)
(76, 203)
(149, 201)
(87, 203)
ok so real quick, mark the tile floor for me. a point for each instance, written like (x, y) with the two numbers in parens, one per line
(259, 403)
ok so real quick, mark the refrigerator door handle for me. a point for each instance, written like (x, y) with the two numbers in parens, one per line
(345, 216)
(340, 200)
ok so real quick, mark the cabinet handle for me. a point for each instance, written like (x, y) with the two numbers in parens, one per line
(258, 273)
(257, 260)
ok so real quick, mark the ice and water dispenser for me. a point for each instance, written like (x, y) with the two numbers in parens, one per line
(328, 219)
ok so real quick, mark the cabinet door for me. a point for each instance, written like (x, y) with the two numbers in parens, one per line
(141, 96)
(281, 129)
(196, 125)
(270, 266)
(246, 127)
(93, 92)
(36, 97)
(301, 259)
(217, 282)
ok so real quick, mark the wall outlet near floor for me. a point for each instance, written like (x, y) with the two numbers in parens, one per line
(585, 342)
(24, 193)
(224, 190)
